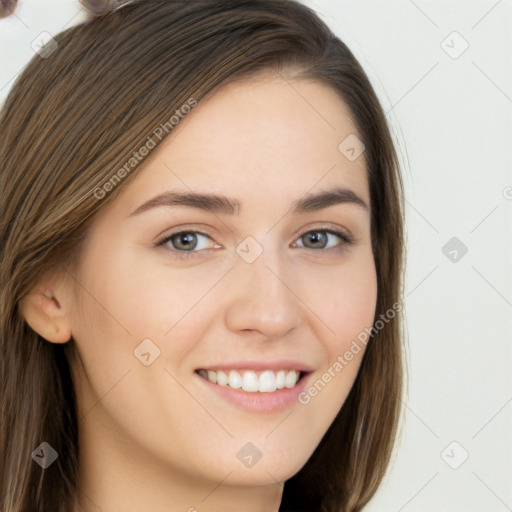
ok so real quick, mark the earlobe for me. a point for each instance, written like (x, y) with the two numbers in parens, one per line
(44, 314)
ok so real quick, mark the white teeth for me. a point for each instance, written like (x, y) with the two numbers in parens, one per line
(235, 381)
(250, 382)
(280, 379)
(222, 379)
(267, 381)
(290, 379)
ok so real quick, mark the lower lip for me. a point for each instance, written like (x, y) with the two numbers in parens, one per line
(257, 401)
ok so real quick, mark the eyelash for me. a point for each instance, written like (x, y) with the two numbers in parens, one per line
(180, 254)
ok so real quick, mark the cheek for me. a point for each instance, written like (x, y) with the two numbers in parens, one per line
(346, 304)
(352, 309)
(344, 299)
(166, 299)
(147, 295)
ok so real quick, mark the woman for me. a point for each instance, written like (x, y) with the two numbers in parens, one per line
(202, 237)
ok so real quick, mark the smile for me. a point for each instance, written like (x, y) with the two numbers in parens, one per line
(266, 381)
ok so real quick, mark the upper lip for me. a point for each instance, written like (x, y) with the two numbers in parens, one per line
(275, 365)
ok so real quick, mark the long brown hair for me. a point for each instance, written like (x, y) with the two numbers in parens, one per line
(73, 118)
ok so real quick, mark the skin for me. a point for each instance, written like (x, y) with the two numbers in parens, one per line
(154, 437)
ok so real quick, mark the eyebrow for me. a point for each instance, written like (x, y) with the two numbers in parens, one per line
(229, 206)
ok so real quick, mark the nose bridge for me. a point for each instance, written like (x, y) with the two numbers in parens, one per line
(262, 299)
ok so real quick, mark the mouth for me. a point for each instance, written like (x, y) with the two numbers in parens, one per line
(253, 381)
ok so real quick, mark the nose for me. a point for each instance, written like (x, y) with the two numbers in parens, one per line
(261, 298)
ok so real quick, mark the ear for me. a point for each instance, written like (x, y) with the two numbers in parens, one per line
(45, 313)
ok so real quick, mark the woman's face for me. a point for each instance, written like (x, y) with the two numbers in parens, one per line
(257, 283)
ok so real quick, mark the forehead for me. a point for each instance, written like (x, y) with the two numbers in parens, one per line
(262, 139)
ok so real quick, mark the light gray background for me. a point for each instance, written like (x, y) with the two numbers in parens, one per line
(452, 119)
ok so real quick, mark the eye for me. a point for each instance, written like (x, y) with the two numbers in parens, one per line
(187, 244)
(319, 239)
